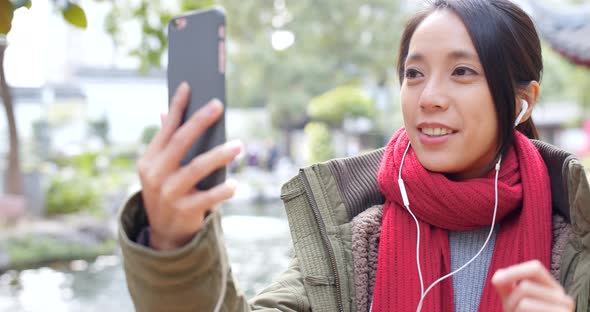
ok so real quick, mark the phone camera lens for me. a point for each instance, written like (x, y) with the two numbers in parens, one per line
(180, 23)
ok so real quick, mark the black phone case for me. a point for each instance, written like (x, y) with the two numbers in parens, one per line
(196, 54)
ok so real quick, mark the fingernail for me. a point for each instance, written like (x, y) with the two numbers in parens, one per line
(213, 107)
(234, 146)
(498, 276)
(233, 183)
(183, 86)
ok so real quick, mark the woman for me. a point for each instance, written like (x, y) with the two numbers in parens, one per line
(461, 188)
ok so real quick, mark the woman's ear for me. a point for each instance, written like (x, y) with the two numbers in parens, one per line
(530, 94)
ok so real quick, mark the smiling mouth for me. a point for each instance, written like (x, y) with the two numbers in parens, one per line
(436, 131)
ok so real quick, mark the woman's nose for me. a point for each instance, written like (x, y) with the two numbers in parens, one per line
(434, 97)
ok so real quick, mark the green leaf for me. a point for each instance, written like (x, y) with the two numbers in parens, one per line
(22, 3)
(193, 5)
(6, 13)
(75, 15)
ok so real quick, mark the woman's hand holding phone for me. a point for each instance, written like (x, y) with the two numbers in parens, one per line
(175, 209)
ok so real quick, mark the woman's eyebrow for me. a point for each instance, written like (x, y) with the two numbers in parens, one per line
(453, 55)
(414, 56)
(462, 54)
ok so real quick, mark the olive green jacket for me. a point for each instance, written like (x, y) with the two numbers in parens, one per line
(321, 201)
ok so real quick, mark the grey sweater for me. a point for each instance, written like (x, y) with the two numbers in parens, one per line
(468, 284)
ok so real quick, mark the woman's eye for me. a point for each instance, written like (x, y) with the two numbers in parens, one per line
(463, 71)
(412, 73)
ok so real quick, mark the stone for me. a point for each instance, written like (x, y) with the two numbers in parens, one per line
(12, 207)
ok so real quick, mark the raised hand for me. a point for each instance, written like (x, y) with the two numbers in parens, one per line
(175, 209)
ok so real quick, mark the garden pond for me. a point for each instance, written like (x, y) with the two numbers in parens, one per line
(258, 241)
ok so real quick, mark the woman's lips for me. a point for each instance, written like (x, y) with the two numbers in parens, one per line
(426, 139)
(435, 133)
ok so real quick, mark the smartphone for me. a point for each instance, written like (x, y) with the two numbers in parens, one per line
(196, 54)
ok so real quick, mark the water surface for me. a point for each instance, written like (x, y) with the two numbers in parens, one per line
(258, 241)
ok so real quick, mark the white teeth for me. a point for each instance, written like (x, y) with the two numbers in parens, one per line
(436, 131)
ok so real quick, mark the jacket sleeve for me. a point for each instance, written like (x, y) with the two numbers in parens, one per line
(191, 277)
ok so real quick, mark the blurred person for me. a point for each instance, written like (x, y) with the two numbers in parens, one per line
(272, 156)
(463, 209)
(253, 154)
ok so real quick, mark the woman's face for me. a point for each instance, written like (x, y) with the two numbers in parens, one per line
(447, 106)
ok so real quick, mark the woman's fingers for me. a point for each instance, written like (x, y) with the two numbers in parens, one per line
(174, 208)
(182, 218)
(531, 305)
(194, 206)
(527, 290)
(533, 270)
(529, 286)
(184, 137)
(201, 166)
(177, 107)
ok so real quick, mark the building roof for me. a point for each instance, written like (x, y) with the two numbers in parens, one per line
(567, 29)
(35, 95)
(119, 73)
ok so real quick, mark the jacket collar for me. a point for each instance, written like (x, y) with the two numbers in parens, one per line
(357, 178)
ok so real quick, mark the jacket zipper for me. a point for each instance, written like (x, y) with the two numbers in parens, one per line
(564, 171)
(325, 239)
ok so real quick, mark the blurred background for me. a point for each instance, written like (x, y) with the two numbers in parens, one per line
(83, 84)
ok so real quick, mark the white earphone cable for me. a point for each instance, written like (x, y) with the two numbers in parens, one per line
(407, 204)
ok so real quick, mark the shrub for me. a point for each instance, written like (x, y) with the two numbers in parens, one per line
(335, 105)
(70, 195)
(31, 250)
(320, 142)
(84, 163)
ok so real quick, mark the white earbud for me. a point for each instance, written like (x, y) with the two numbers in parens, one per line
(525, 107)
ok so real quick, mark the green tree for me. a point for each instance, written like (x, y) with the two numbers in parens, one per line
(100, 128)
(75, 16)
(563, 80)
(148, 134)
(152, 17)
(334, 42)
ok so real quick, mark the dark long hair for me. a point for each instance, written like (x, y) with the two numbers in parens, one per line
(509, 50)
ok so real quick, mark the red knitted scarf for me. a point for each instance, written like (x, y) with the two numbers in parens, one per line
(441, 205)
